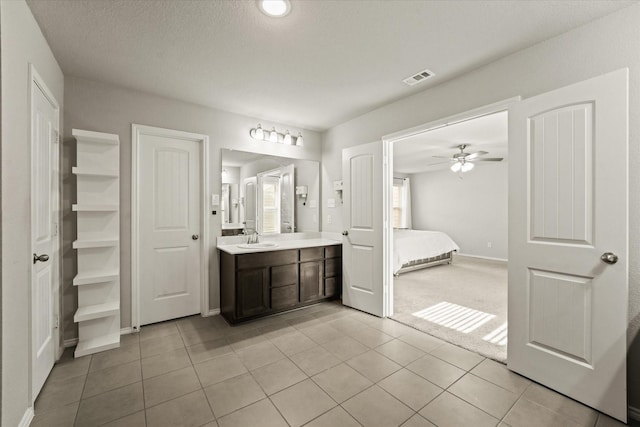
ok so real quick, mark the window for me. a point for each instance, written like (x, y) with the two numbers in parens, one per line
(271, 205)
(401, 203)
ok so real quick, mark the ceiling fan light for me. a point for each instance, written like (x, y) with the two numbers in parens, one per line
(466, 167)
(456, 166)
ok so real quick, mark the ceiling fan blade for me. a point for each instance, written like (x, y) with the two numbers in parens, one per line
(437, 163)
(476, 154)
(490, 159)
(444, 157)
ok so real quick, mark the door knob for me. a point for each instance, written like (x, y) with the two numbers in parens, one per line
(609, 258)
(41, 258)
(195, 237)
(345, 233)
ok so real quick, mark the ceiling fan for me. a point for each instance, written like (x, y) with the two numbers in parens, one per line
(463, 161)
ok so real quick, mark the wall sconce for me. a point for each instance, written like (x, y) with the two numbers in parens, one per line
(273, 136)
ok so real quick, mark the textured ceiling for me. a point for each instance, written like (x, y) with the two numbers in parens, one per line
(487, 133)
(324, 63)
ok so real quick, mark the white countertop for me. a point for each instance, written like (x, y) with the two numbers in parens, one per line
(234, 249)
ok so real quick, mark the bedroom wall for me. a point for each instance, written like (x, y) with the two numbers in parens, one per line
(604, 45)
(22, 44)
(106, 108)
(471, 210)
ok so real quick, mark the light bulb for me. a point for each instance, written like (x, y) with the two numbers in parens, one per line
(456, 167)
(276, 8)
(299, 140)
(259, 133)
(273, 135)
(287, 138)
(466, 167)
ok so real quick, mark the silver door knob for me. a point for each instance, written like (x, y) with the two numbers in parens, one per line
(41, 258)
(195, 237)
(609, 258)
(345, 233)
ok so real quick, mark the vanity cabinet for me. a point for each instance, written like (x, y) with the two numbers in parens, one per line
(258, 284)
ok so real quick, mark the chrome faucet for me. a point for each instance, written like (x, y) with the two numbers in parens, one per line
(253, 236)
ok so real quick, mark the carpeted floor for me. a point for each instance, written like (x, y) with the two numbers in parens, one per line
(464, 303)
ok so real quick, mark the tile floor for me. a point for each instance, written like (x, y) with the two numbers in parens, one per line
(325, 365)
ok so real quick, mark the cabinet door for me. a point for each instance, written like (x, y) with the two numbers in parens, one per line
(331, 287)
(253, 292)
(311, 281)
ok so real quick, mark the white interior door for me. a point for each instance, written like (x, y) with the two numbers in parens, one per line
(44, 137)
(568, 192)
(362, 244)
(169, 225)
(288, 201)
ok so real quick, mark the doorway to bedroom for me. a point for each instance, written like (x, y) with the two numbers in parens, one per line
(450, 223)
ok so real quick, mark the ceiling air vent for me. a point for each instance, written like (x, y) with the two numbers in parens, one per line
(419, 77)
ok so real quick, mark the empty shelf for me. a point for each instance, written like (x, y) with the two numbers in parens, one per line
(97, 243)
(97, 311)
(94, 208)
(95, 276)
(94, 172)
(94, 345)
(95, 137)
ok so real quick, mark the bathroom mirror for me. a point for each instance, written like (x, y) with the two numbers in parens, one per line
(268, 194)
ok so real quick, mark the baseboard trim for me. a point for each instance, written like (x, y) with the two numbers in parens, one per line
(634, 413)
(27, 417)
(482, 257)
(212, 312)
(126, 331)
(74, 341)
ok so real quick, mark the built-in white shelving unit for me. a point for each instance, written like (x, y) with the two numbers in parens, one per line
(98, 241)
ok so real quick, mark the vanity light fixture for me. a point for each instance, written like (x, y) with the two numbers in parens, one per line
(299, 140)
(275, 8)
(273, 136)
(257, 133)
(287, 138)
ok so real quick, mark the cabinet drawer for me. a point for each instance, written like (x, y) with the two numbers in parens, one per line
(284, 275)
(266, 259)
(284, 296)
(334, 251)
(310, 254)
(332, 267)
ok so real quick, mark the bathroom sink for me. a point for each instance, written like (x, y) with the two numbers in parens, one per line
(262, 245)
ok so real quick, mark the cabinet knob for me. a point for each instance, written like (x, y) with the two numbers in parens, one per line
(195, 237)
(345, 233)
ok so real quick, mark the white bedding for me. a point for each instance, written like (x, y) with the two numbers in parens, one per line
(410, 245)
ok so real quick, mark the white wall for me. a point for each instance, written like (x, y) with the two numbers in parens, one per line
(105, 108)
(604, 45)
(471, 210)
(22, 44)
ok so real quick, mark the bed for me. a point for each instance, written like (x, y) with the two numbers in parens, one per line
(416, 249)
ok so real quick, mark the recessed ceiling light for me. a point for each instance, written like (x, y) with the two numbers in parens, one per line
(275, 8)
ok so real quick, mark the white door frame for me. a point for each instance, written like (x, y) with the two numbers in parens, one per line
(387, 147)
(36, 82)
(136, 132)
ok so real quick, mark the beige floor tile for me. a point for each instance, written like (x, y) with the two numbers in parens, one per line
(160, 345)
(342, 382)
(208, 350)
(337, 417)
(117, 356)
(194, 322)
(293, 343)
(137, 419)
(606, 421)
(169, 386)
(526, 413)
(233, 394)
(422, 341)
(191, 410)
(411, 389)
(211, 424)
(69, 367)
(261, 413)
(373, 365)
(110, 406)
(315, 360)
(345, 348)
(322, 334)
(498, 374)
(158, 330)
(560, 404)
(60, 392)
(400, 352)
(447, 410)
(60, 416)
(302, 402)
(435, 370)
(457, 356)
(307, 321)
(112, 378)
(276, 330)
(219, 369)
(376, 407)
(418, 421)
(130, 340)
(259, 355)
(277, 376)
(389, 326)
(198, 336)
(347, 325)
(165, 362)
(492, 399)
(245, 339)
(371, 337)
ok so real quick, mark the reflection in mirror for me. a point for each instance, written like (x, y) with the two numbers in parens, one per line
(258, 194)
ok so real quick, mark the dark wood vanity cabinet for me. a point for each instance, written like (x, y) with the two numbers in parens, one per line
(257, 284)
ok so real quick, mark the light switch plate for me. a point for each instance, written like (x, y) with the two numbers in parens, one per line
(215, 199)
(331, 203)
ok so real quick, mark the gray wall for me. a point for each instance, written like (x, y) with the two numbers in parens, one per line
(22, 44)
(472, 210)
(104, 108)
(604, 45)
